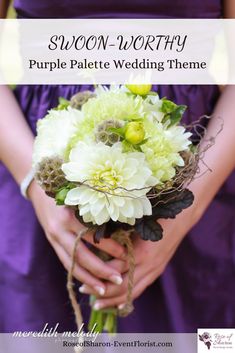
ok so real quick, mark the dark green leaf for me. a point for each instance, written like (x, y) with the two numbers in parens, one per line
(99, 233)
(172, 204)
(149, 229)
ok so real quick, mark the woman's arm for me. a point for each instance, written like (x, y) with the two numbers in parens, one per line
(229, 8)
(220, 158)
(16, 138)
(4, 4)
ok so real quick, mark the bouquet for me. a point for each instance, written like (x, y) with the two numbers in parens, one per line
(120, 159)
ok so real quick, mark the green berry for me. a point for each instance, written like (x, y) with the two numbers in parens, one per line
(141, 90)
(134, 132)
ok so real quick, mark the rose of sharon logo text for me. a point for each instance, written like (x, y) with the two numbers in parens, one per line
(214, 340)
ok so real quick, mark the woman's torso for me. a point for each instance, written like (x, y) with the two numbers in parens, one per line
(113, 8)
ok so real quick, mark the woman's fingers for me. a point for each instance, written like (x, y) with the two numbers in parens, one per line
(89, 261)
(79, 273)
(119, 265)
(113, 290)
(109, 246)
(121, 299)
(96, 266)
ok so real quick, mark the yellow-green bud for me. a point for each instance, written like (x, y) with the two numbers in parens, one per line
(141, 90)
(134, 132)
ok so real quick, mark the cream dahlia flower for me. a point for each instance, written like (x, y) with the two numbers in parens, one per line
(152, 108)
(114, 184)
(162, 149)
(54, 133)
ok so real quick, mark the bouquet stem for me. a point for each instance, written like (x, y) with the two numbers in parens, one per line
(105, 319)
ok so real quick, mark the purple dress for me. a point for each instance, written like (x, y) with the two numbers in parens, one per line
(197, 288)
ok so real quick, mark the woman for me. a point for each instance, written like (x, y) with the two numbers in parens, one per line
(194, 288)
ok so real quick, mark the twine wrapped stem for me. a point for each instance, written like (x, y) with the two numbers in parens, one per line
(123, 237)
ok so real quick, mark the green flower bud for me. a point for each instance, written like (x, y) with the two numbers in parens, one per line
(134, 132)
(141, 90)
(61, 196)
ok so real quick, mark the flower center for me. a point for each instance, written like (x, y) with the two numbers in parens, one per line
(106, 180)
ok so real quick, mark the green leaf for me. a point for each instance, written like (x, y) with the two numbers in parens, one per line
(128, 147)
(172, 111)
(167, 106)
(63, 104)
(177, 114)
(119, 131)
(61, 193)
(149, 229)
(64, 101)
(61, 196)
(173, 204)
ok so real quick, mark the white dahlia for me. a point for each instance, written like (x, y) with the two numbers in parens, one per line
(54, 133)
(114, 183)
(152, 108)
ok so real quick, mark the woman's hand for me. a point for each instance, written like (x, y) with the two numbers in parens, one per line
(150, 258)
(61, 227)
